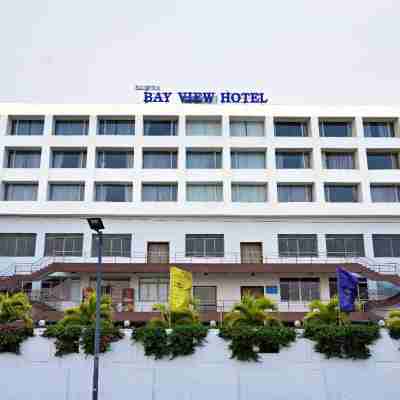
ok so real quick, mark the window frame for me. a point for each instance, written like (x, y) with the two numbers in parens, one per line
(124, 250)
(100, 185)
(13, 153)
(218, 191)
(20, 238)
(346, 251)
(77, 244)
(393, 247)
(173, 191)
(205, 253)
(300, 252)
(306, 158)
(82, 157)
(55, 184)
(355, 192)
(64, 120)
(102, 154)
(171, 154)
(308, 187)
(114, 122)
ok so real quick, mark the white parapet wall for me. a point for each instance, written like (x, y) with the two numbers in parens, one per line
(297, 372)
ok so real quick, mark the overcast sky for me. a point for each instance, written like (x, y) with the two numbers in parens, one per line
(297, 51)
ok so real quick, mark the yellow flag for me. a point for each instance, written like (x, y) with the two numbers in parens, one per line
(180, 288)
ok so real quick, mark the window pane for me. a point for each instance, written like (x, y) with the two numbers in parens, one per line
(382, 161)
(294, 193)
(71, 127)
(114, 159)
(203, 160)
(204, 245)
(378, 129)
(116, 127)
(24, 159)
(335, 129)
(68, 159)
(206, 192)
(386, 245)
(66, 192)
(160, 128)
(385, 193)
(113, 245)
(292, 160)
(27, 127)
(159, 192)
(17, 244)
(63, 244)
(114, 192)
(203, 128)
(341, 193)
(20, 192)
(249, 193)
(339, 160)
(160, 159)
(247, 128)
(298, 246)
(247, 160)
(345, 245)
(290, 129)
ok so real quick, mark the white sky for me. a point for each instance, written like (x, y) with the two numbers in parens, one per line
(297, 51)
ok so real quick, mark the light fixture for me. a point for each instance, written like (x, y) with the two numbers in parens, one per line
(96, 224)
(297, 323)
(127, 324)
(381, 323)
(42, 323)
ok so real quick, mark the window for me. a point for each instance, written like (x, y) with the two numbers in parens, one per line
(23, 158)
(160, 127)
(248, 159)
(27, 127)
(204, 192)
(291, 128)
(114, 192)
(385, 193)
(207, 297)
(203, 127)
(66, 191)
(298, 245)
(158, 252)
(345, 245)
(248, 128)
(293, 160)
(113, 245)
(159, 192)
(114, 159)
(63, 245)
(249, 193)
(160, 159)
(20, 191)
(68, 159)
(116, 127)
(288, 193)
(339, 160)
(335, 129)
(153, 290)
(251, 253)
(299, 289)
(362, 288)
(383, 160)
(386, 245)
(17, 244)
(196, 159)
(379, 129)
(204, 245)
(71, 127)
(341, 193)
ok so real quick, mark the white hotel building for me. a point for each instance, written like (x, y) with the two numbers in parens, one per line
(261, 198)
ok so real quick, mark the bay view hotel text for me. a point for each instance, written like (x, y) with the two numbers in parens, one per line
(254, 197)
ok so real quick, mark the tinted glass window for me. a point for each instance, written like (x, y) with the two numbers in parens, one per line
(382, 160)
(160, 128)
(116, 127)
(159, 192)
(68, 159)
(335, 129)
(17, 244)
(25, 127)
(160, 159)
(292, 160)
(294, 193)
(71, 127)
(345, 246)
(290, 128)
(204, 245)
(341, 193)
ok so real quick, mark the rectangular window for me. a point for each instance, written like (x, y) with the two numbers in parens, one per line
(66, 191)
(378, 129)
(245, 128)
(160, 127)
(157, 252)
(385, 193)
(293, 160)
(26, 127)
(335, 129)
(345, 245)
(20, 191)
(114, 159)
(383, 160)
(203, 128)
(362, 288)
(298, 245)
(116, 127)
(341, 193)
(251, 253)
(249, 193)
(203, 159)
(204, 192)
(113, 245)
(204, 245)
(17, 244)
(159, 191)
(386, 245)
(63, 245)
(23, 158)
(288, 193)
(248, 159)
(160, 159)
(113, 192)
(339, 160)
(302, 290)
(207, 297)
(71, 127)
(153, 290)
(68, 159)
(291, 128)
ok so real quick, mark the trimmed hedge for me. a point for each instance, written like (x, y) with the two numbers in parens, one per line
(11, 338)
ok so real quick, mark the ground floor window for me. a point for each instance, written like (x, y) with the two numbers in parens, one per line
(207, 296)
(299, 289)
(362, 288)
(153, 289)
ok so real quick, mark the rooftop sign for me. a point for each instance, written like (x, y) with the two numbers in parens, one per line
(205, 97)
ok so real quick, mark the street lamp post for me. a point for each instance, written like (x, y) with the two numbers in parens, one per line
(96, 224)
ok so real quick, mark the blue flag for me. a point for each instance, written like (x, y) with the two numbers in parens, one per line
(347, 289)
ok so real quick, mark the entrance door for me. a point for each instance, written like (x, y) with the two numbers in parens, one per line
(255, 291)
(251, 253)
(158, 253)
(207, 296)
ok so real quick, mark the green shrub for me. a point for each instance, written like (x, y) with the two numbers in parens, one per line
(15, 307)
(11, 338)
(393, 325)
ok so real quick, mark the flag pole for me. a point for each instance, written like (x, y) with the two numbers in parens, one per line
(338, 294)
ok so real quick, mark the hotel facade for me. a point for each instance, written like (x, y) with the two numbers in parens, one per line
(255, 198)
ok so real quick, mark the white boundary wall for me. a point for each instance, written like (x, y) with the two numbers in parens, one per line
(126, 373)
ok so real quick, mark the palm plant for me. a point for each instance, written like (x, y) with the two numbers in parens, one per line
(252, 311)
(326, 313)
(15, 307)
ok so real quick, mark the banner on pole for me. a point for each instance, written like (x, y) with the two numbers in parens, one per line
(180, 288)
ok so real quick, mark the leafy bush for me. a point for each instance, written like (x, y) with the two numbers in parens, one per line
(15, 307)
(108, 334)
(11, 338)
(393, 324)
(325, 313)
(343, 341)
(182, 341)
